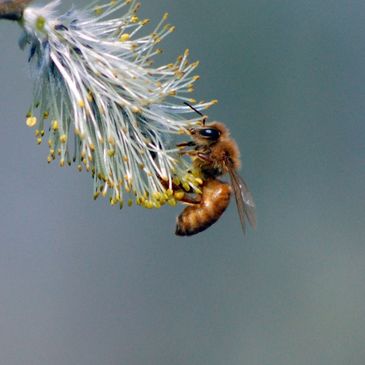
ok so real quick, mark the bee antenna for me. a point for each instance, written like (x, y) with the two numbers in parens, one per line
(197, 111)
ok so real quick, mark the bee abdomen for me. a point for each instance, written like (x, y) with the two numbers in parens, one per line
(214, 201)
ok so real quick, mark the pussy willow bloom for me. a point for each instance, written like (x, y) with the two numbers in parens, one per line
(102, 103)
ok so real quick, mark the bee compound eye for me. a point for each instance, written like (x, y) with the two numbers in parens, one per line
(210, 133)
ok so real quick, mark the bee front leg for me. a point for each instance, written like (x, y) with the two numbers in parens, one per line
(204, 157)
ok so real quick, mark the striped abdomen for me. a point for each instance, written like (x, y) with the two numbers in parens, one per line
(214, 201)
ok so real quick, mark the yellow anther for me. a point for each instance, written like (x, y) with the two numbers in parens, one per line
(196, 78)
(134, 19)
(81, 103)
(213, 102)
(96, 195)
(31, 121)
(59, 151)
(176, 180)
(63, 138)
(165, 16)
(79, 167)
(62, 162)
(172, 93)
(55, 125)
(77, 132)
(99, 10)
(157, 205)
(50, 143)
(111, 152)
(171, 202)
(130, 202)
(124, 37)
(92, 147)
(186, 52)
(186, 186)
(49, 159)
(172, 29)
(179, 74)
(42, 132)
(192, 100)
(135, 109)
(39, 140)
(125, 158)
(40, 23)
(169, 192)
(145, 21)
(156, 195)
(178, 195)
(198, 191)
(45, 115)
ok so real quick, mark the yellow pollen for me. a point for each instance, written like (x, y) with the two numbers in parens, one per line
(99, 11)
(171, 202)
(31, 121)
(134, 19)
(111, 152)
(186, 186)
(40, 23)
(45, 115)
(63, 138)
(130, 202)
(124, 37)
(178, 195)
(169, 192)
(55, 125)
(39, 140)
(145, 21)
(176, 180)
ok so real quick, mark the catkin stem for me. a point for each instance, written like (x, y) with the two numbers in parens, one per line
(12, 9)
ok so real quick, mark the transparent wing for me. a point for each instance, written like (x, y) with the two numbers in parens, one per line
(244, 200)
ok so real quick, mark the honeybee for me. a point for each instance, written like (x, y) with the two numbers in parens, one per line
(214, 154)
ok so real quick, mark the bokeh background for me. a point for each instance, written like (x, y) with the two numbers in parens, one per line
(84, 283)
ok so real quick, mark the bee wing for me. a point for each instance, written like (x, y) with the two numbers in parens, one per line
(244, 200)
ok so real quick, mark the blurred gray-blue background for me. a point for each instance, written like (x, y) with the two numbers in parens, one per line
(84, 283)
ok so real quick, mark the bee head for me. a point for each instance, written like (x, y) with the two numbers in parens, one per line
(209, 134)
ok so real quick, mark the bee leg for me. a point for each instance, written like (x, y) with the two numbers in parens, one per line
(186, 144)
(204, 157)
